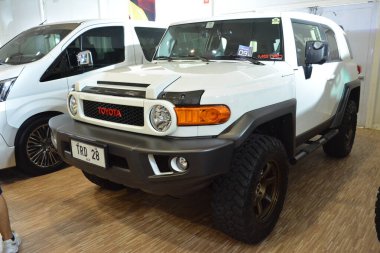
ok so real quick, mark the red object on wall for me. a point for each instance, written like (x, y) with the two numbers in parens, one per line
(149, 7)
(206, 1)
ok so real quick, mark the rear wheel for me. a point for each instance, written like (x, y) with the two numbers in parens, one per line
(248, 200)
(35, 153)
(103, 183)
(341, 144)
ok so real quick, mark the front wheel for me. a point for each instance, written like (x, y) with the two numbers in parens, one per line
(248, 200)
(35, 153)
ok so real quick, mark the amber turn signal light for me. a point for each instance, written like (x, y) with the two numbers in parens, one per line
(202, 115)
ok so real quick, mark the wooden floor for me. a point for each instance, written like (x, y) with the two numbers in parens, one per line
(329, 208)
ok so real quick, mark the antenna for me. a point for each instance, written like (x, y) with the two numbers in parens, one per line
(43, 22)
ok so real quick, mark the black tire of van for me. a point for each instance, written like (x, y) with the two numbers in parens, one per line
(35, 153)
(340, 145)
(247, 201)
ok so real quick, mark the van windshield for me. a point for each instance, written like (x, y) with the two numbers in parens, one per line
(33, 44)
(257, 38)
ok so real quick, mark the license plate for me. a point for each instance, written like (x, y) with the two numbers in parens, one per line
(88, 153)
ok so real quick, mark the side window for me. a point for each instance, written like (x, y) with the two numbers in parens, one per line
(149, 38)
(333, 46)
(106, 45)
(58, 69)
(302, 33)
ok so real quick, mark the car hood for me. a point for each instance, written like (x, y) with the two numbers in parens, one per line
(185, 76)
(10, 71)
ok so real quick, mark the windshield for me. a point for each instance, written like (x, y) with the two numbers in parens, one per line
(259, 38)
(34, 43)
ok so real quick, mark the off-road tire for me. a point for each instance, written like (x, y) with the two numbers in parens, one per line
(35, 153)
(259, 170)
(340, 145)
(377, 215)
(103, 183)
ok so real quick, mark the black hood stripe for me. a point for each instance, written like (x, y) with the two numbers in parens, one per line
(114, 92)
(141, 85)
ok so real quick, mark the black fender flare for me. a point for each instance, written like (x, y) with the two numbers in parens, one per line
(350, 88)
(243, 127)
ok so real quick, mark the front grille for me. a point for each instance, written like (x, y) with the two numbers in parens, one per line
(130, 115)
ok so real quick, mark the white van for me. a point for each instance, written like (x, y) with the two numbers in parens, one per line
(39, 66)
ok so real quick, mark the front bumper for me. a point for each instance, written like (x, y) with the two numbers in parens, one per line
(7, 157)
(134, 158)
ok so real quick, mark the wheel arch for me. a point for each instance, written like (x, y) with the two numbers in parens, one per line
(351, 92)
(30, 119)
(277, 120)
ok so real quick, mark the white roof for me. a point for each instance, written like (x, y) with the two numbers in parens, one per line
(254, 14)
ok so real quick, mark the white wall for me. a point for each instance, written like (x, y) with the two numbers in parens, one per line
(114, 9)
(168, 11)
(16, 16)
(373, 116)
(223, 6)
(58, 10)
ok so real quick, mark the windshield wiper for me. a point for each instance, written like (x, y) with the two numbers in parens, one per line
(197, 57)
(252, 59)
(164, 58)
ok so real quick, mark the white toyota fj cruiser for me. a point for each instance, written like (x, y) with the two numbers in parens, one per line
(228, 101)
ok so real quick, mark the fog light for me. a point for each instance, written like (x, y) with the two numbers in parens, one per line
(179, 164)
(73, 106)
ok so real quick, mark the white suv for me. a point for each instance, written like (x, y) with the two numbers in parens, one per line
(39, 66)
(228, 101)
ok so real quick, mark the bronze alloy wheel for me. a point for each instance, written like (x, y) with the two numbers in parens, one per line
(247, 201)
(40, 149)
(265, 196)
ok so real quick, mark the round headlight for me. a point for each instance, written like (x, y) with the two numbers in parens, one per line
(73, 106)
(160, 118)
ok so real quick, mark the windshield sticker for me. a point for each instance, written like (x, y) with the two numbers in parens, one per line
(244, 51)
(276, 21)
(209, 25)
(270, 56)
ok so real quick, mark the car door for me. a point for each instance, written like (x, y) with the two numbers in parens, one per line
(106, 45)
(318, 96)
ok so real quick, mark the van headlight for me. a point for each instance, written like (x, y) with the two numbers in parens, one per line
(73, 105)
(5, 86)
(160, 118)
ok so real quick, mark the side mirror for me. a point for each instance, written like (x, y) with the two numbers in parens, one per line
(85, 58)
(316, 52)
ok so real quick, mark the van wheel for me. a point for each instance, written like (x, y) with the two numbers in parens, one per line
(340, 145)
(35, 153)
(247, 201)
(103, 183)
